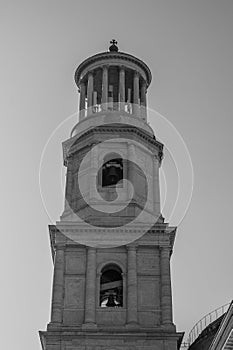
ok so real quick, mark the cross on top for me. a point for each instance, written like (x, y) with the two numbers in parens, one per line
(113, 47)
(113, 42)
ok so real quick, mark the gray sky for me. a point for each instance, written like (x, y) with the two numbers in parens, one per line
(188, 47)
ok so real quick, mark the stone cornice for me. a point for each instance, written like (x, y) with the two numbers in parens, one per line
(69, 144)
(57, 239)
(106, 332)
(111, 56)
(160, 235)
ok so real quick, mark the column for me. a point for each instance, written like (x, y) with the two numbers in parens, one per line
(58, 285)
(90, 300)
(89, 92)
(156, 186)
(122, 88)
(166, 294)
(132, 292)
(136, 108)
(82, 101)
(105, 88)
(143, 101)
(110, 98)
(129, 105)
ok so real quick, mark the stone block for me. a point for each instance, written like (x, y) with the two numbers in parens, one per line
(148, 292)
(111, 317)
(75, 262)
(148, 261)
(74, 292)
(73, 317)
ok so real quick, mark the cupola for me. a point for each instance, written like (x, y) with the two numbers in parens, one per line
(112, 81)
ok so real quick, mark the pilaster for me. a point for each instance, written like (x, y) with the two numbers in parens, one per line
(58, 285)
(166, 293)
(90, 302)
(132, 293)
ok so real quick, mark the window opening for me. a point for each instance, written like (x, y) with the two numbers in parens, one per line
(112, 172)
(111, 287)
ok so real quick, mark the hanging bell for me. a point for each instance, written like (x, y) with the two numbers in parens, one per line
(112, 176)
(111, 301)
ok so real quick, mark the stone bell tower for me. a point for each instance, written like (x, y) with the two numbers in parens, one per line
(111, 248)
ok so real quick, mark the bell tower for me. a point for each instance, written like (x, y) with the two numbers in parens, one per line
(111, 248)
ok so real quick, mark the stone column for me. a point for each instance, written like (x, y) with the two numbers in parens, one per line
(129, 105)
(136, 108)
(122, 88)
(105, 89)
(95, 106)
(90, 83)
(132, 292)
(82, 101)
(58, 285)
(166, 293)
(143, 101)
(90, 301)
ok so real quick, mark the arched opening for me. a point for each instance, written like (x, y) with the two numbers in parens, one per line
(111, 286)
(112, 170)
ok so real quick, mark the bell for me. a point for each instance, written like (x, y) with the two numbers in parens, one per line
(111, 301)
(112, 175)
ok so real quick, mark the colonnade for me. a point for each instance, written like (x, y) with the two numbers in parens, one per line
(88, 97)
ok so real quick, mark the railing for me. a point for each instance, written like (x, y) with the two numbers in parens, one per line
(111, 106)
(204, 322)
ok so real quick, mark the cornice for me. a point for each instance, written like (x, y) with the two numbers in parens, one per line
(160, 235)
(55, 240)
(104, 332)
(70, 143)
(109, 56)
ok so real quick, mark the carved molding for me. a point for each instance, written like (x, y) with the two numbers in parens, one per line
(71, 146)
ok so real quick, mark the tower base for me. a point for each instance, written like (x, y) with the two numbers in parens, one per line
(110, 340)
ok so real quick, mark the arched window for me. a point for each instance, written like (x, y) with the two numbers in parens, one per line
(112, 170)
(111, 286)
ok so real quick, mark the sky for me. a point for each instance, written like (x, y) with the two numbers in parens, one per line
(188, 46)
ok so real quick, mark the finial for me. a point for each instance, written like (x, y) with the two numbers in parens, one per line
(113, 47)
